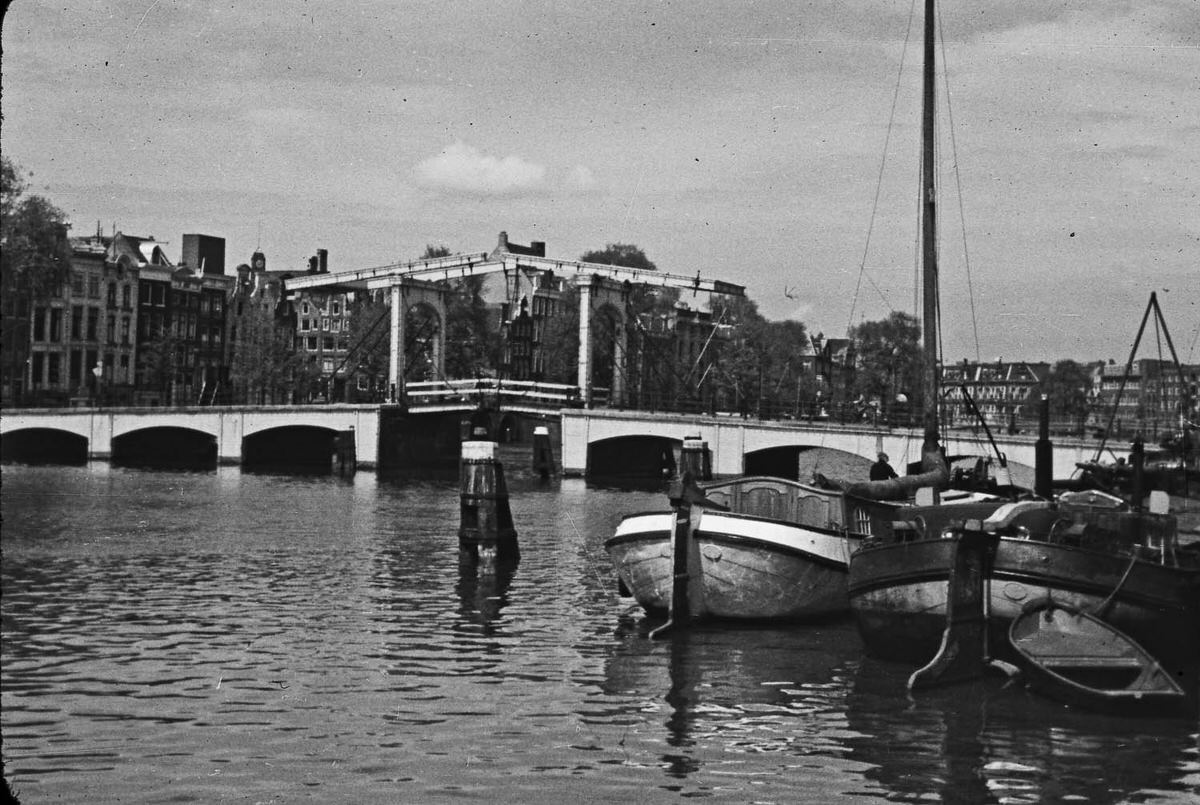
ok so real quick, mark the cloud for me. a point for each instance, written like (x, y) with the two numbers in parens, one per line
(462, 168)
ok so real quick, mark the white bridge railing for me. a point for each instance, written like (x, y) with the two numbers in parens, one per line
(457, 394)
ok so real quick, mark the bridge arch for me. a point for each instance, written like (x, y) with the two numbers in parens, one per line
(306, 448)
(43, 446)
(642, 456)
(165, 446)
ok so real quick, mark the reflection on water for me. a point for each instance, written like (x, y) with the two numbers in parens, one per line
(225, 636)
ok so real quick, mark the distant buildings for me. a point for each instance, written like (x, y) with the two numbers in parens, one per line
(130, 327)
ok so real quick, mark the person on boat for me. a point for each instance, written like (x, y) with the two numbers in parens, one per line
(881, 470)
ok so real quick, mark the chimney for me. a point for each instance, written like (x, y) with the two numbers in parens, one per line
(539, 247)
(312, 264)
(502, 245)
(322, 261)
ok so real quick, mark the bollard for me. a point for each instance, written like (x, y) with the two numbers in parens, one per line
(543, 455)
(695, 458)
(485, 531)
(345, 453)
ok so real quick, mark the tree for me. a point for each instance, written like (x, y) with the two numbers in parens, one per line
(890, 364)
(620, 254)
(35, 261)
(1066, 389)
(36, 255)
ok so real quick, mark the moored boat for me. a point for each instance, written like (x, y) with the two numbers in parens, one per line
(762, 549)
(1071, 655)
(1087, 550)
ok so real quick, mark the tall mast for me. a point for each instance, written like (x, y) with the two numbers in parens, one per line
(929, 268)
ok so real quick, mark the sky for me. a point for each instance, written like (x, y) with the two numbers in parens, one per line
(772, 144)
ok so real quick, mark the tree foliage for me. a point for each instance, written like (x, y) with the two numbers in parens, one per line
(36, 256)
(890, 363)
(760, 370)
(1066, 388)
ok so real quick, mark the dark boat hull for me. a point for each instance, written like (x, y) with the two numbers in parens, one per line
(898, 595)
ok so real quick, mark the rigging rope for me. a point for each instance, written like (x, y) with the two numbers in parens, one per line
(862, 267)
(958, 184)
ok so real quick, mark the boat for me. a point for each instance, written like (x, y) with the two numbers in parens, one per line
(1069, 654)
(1086, 549)
(761, 548)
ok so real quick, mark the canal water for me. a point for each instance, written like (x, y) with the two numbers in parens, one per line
(229, 637)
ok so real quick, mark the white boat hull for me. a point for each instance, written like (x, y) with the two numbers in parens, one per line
(751, 568)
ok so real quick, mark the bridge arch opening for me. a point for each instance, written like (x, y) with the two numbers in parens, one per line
(165, 446)
(608, 348)
(633, 457)
(43, 446)
(301, 449)
(423, 334)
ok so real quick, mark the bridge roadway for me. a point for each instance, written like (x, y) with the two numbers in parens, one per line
(731, 439)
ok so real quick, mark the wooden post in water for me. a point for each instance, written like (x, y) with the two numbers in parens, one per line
(695, 459)
(485, 531)
(1043, 454)
(345, 453)
(963, 653)
(543, 454)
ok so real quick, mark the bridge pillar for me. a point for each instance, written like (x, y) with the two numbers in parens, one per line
(584, 378)
(396, 356)
(229, 437)
(100, 434)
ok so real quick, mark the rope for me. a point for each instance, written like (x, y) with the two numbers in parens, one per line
(862, 266)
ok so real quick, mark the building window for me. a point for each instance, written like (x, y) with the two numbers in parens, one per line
(125, 294)
(327, 366)
(53, 366)
(337, 325)
(76, 375)
(125, 330)
(312, 343)
(112, 294)
(77, 284)
(304, 325)
(304, 308)
(93, 286)
(325, 323)
(93, 319)
(337, 308)
(39, 324)
(327, 343)
(77, 322)
(37, 378)
(56, 324)
(110, 330)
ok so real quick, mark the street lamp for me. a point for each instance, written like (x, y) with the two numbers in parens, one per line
(98, 371)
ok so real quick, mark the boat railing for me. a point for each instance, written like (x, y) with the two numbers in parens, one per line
(780, 499)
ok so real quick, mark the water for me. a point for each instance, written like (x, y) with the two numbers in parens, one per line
(227, 637)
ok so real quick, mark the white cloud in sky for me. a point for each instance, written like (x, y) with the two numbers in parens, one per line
(464, 168)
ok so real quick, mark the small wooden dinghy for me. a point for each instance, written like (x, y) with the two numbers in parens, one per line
(1071, 655)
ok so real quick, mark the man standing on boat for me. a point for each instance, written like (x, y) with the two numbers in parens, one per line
(881, 470)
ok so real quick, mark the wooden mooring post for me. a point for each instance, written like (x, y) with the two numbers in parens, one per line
(345, 453)
(695, 459)
(485, 531)
(543, 454)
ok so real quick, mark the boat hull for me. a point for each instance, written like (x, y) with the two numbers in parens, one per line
(1074, 657)
(898, 595)
(751, 568)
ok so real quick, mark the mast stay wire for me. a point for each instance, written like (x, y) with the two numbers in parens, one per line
(958, 188)
(862, 268)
